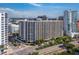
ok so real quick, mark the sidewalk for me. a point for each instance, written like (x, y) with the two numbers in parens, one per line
(10, 50)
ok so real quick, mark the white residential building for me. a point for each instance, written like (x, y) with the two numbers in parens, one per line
(3, 30)
(13, 28)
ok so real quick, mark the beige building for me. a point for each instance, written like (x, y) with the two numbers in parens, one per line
(32, 30)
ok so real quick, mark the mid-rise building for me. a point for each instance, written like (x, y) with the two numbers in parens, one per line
(14, 20)
(60, 18)
(43, 17)
(32, 30)
(3, 30)
(13, 28)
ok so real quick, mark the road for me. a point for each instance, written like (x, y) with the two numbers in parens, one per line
(20, 51)
(23, 51)
(55, 49)
(28, 49)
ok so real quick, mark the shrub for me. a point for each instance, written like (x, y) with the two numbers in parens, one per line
(1, 46)
(50, 43)
(35, 53)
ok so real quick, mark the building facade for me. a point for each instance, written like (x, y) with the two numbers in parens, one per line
(13, 28)
(78, 25)
(70, 22)
(3, 29)
(32, 30)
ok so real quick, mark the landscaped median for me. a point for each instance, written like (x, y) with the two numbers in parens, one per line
(53, 41)
(70, 48)
(52, 46)
(49, 50)
(66, 49)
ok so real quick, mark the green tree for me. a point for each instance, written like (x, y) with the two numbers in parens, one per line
(50, 43)
(39, 41)
(67, 38)
(35, 53)
(52, 38)
(59, 40)
(42, 41)
(76, 49)
(69, 47)
(1, 46)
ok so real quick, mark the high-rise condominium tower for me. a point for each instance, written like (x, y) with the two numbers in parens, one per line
(70, 22)
(3, 30)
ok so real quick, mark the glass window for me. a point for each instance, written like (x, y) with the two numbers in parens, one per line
(2, 14)
(2, 17)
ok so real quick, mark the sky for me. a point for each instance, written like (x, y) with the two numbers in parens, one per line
(51, 10)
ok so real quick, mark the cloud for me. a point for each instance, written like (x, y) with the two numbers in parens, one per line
(17, 13)
(29, 13)
(11, 12)
(6, 9)
(25, 13)
(35, 4)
